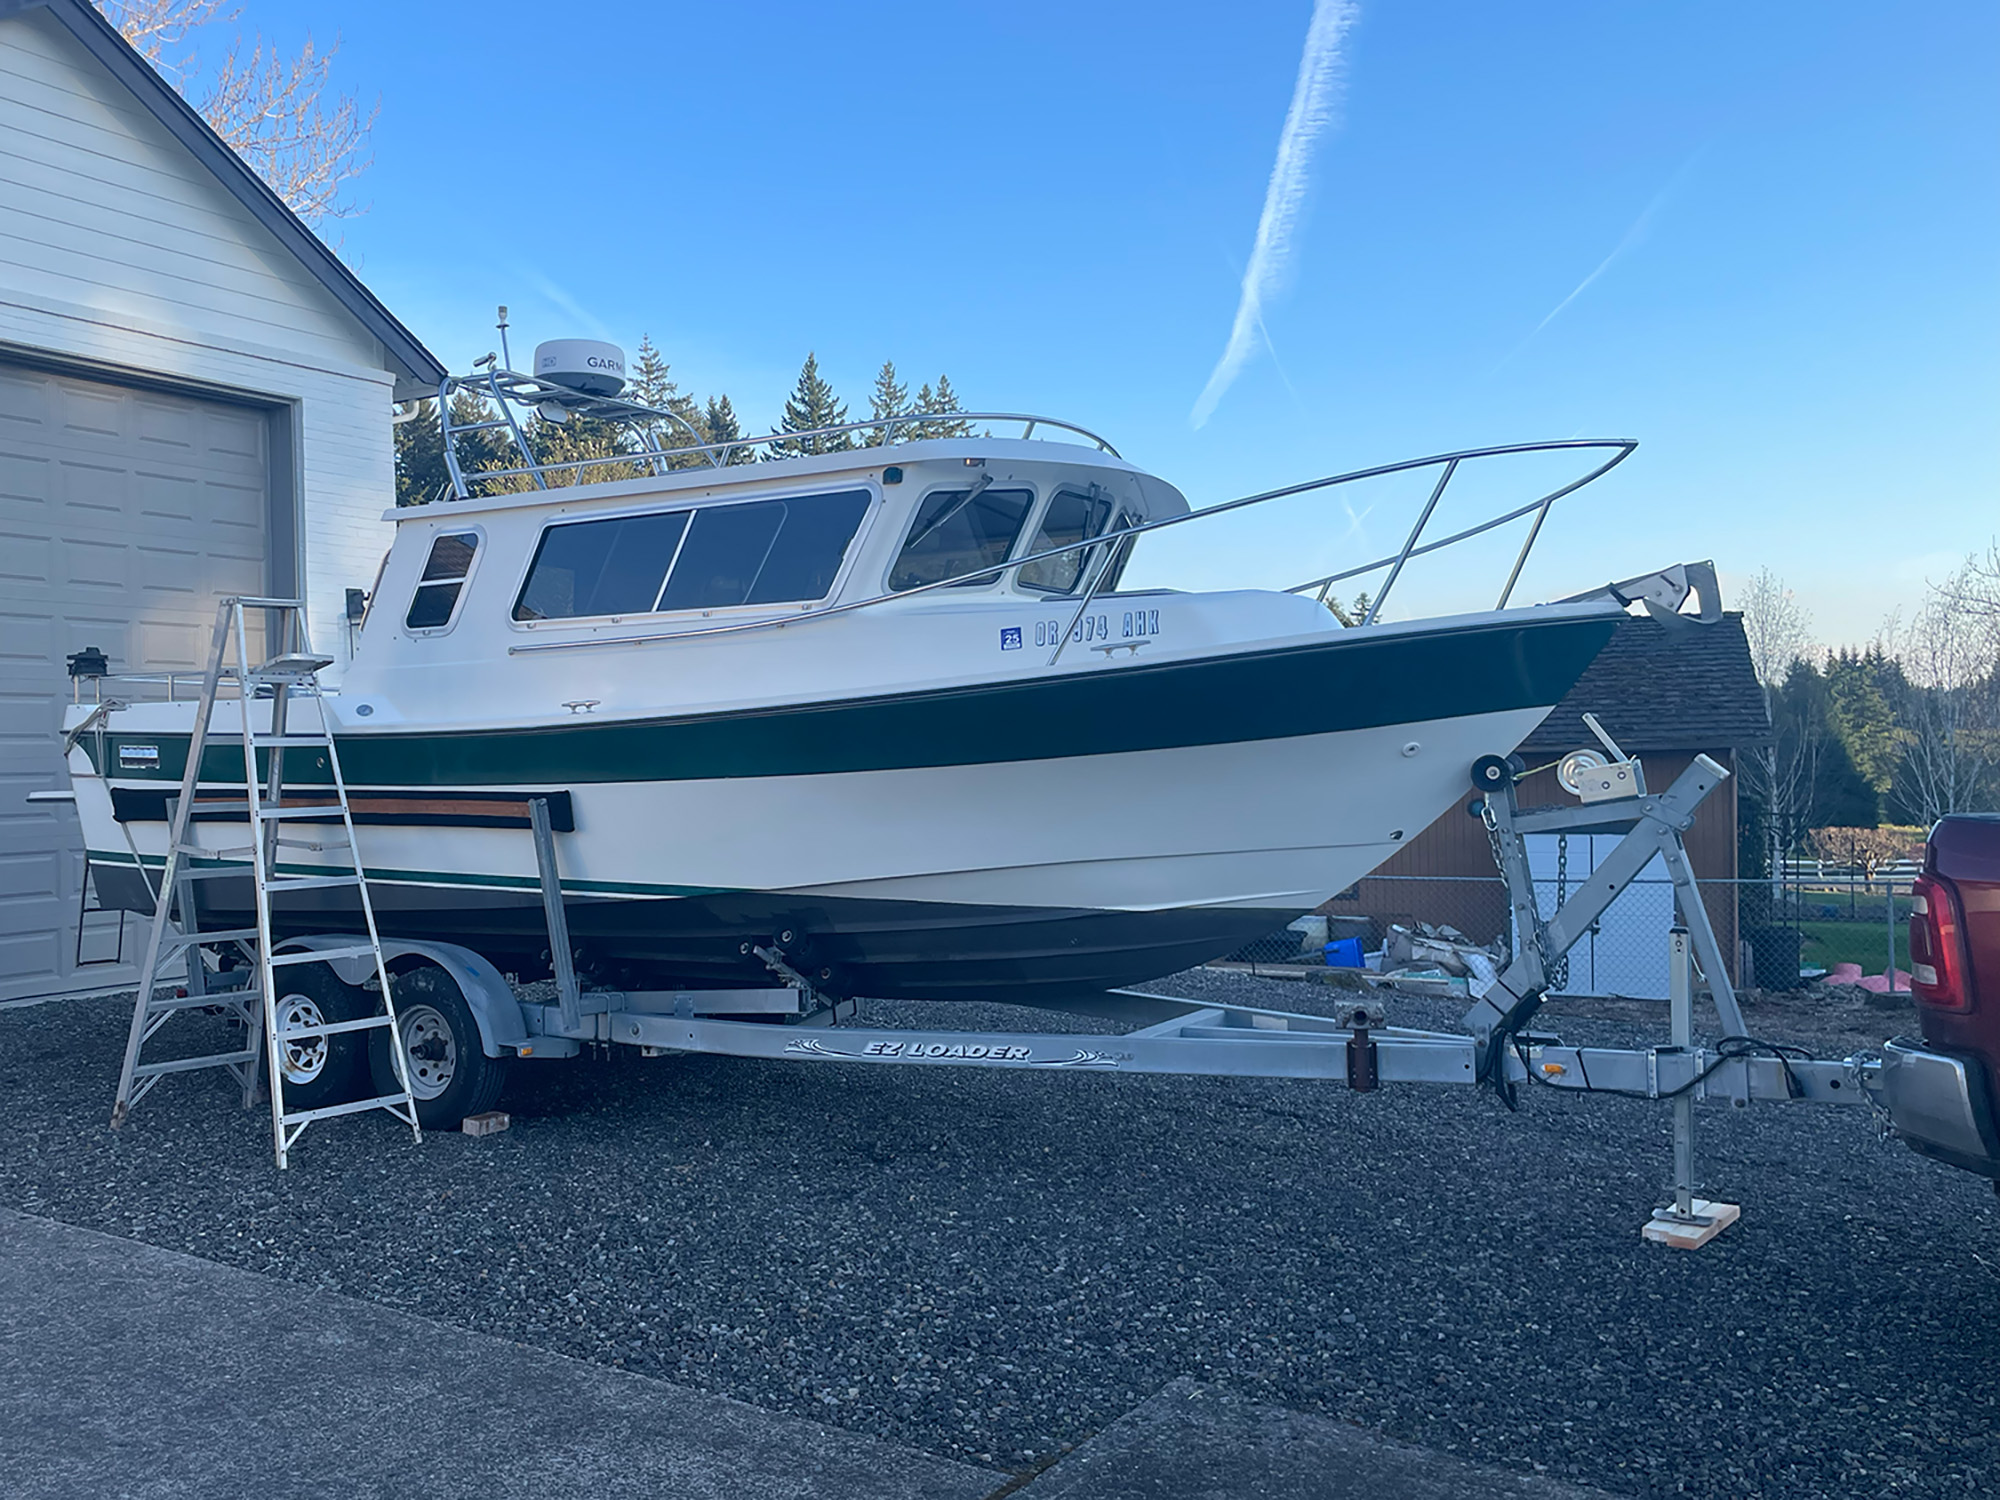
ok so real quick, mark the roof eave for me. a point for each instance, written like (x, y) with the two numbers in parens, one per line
(416, 369)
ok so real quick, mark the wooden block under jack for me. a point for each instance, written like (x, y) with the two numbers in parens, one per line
(1693, 1236)
(491, 1122)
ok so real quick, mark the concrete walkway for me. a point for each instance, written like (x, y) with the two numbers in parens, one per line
(1193, 1442)
(127, 1371)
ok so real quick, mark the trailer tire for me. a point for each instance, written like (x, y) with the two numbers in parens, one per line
(450, 1074)
(321, 1070)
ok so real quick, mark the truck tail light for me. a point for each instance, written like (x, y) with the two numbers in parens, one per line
(1937, 946)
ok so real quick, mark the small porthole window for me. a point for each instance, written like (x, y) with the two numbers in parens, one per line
(445, 572)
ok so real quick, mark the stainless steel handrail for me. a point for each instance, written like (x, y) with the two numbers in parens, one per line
(1450, 461)
(510, 388)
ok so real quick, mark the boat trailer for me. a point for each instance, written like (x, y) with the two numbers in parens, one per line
(795, 1020)
(798, 1019)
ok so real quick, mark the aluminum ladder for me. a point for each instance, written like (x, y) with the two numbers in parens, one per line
(290, 672)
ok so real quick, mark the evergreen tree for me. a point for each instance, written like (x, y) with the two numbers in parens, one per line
(653, 385)
(421, 473)
(566, 443)
(811, 405)
(947, 400)
(943, 399)
(1860, 688)
(890, 398)
(650, 384)
(720, 423)
(1834, 793)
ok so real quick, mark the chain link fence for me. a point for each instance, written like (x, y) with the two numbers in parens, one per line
(1779, 934)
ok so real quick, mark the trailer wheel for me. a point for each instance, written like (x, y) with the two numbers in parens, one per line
(320, 1070)
(450, 1075)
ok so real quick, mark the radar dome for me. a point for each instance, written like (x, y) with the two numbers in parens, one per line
(587, 365)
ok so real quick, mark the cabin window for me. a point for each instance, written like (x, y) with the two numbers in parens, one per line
(957, 531)
(1072, 516)
(764, 552)
(770, 552)
(445, 571)
(612, 567)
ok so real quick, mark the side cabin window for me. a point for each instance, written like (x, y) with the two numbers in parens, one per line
(1072, 516)
(762, 552)
(445, 571)
(958, 531)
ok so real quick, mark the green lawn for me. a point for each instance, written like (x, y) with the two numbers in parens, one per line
(1826, 943)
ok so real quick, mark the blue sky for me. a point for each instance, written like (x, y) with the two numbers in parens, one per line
(1799, 318)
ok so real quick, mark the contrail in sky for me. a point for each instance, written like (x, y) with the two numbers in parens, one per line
(1315, 103)
(1640, 228)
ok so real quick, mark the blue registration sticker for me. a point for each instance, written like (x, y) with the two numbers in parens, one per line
(1010, 638)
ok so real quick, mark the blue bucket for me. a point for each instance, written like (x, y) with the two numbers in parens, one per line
(1344, 953)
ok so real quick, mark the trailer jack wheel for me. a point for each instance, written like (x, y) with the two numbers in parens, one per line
(450, 1074)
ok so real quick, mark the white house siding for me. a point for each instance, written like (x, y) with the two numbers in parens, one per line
(117, 247)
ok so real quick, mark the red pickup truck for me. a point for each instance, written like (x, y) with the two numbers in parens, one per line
(1943, 1092)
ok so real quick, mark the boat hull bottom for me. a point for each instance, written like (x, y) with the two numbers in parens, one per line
(882, 949)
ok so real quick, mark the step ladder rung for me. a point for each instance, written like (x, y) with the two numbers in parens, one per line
(321, 955)
(292, 810)
(215, 872)
(280, 884)
(191, 1064)
(332, 1028)
(288, 741)
(174, 942)
(221, 999)
(390, 1102)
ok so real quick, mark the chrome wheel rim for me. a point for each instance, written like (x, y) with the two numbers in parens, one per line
(302, 1059)
(430, 1051)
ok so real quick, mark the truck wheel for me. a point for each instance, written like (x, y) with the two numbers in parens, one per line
(320, 1070)
(450, 1075)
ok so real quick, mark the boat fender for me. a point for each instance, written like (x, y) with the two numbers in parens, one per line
(489, 997)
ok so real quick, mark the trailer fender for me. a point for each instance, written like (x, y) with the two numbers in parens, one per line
(487, 993)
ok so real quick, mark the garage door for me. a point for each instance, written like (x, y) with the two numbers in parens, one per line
(124, 514)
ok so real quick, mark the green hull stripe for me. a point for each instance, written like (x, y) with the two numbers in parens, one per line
(1350, 681)
(440, 878)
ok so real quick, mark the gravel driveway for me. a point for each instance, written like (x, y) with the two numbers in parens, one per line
(993, 1266)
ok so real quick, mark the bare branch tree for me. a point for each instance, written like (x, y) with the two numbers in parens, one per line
(1976, 586)
(1777, 627)
(1784, 772)
(275, 111)
(1950, 713)
(159, 30)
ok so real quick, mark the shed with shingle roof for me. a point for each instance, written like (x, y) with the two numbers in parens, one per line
(1666, 693)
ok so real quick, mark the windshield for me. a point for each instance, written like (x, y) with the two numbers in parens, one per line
(959, 530)
(1072, 516)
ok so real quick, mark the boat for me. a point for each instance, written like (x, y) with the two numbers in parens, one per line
(883, 706)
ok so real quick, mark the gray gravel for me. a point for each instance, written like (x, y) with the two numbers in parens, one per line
(994, 1266)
